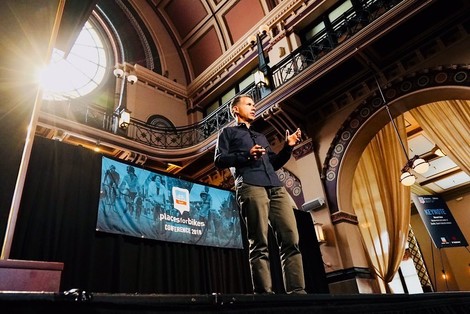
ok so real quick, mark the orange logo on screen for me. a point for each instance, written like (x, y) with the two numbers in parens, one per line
(181, 199)
(181, 202)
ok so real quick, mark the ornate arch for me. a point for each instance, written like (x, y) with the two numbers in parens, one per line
(293, 186)
(403, 94)
(130, 35)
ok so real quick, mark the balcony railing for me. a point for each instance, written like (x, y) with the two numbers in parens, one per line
(344, 27)
(139, 131)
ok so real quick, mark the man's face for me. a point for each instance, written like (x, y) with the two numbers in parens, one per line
(245, 109)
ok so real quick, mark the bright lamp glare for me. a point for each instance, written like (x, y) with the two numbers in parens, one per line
(78, 74)
(54, 77)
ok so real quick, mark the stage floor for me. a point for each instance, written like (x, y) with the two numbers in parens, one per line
(83, 302)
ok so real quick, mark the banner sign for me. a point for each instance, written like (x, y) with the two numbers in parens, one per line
(146, 204)
(439, 221)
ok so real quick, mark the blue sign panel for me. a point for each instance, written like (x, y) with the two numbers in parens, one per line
(439, 221)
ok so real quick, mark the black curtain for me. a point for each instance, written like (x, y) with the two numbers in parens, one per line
(57, 220)
(314, 271)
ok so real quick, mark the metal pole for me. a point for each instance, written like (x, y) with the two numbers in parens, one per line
(20, 180)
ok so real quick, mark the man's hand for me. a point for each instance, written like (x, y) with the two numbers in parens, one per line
(294, 138)
(257, 151)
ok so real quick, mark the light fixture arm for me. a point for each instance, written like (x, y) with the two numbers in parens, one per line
(392, 120)
(416, 163)
(263, 66)
(262, 62)
(396, 131)
(121, 93)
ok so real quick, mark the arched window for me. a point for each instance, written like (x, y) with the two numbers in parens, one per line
(160, 121)
(80, 72)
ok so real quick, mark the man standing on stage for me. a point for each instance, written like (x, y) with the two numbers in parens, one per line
(261, 197)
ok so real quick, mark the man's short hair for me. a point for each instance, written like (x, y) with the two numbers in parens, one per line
(235, 101)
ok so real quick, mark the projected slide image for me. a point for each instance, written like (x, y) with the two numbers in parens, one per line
(146, 204)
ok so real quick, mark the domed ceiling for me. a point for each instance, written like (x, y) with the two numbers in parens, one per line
(180, 38)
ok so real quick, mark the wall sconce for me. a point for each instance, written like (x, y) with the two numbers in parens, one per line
(97, 147)
(118, 73)
(261, 79)
(124, 119)
(263, 74)
(124, 115)
(319, 232)
(416, 163)
(131, 78)
(444, 275)
(251, 40)
(264, 30)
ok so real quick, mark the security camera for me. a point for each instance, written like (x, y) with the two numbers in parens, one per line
(132, 79)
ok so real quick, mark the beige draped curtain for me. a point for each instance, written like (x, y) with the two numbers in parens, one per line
(381, 202)
(447, 123)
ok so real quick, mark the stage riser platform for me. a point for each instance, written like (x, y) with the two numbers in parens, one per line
(84, 302)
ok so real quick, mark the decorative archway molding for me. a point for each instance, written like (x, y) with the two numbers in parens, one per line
(293, 186)
(402, 94)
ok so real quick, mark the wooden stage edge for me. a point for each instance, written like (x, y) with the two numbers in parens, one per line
(77, 301)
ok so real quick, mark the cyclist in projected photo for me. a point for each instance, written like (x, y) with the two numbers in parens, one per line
(210, 214)
(261, 196)
(158, 195)
(110, 187)
(129, 188)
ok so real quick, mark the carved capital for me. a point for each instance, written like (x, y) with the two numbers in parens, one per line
(340, 217)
